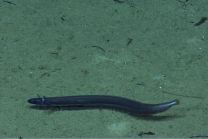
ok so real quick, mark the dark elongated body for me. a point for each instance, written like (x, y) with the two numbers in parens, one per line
(104, 101)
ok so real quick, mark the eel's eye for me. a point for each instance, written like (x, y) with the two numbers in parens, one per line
(38, 101)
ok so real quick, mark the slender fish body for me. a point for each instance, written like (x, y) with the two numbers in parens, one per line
(104, 101)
